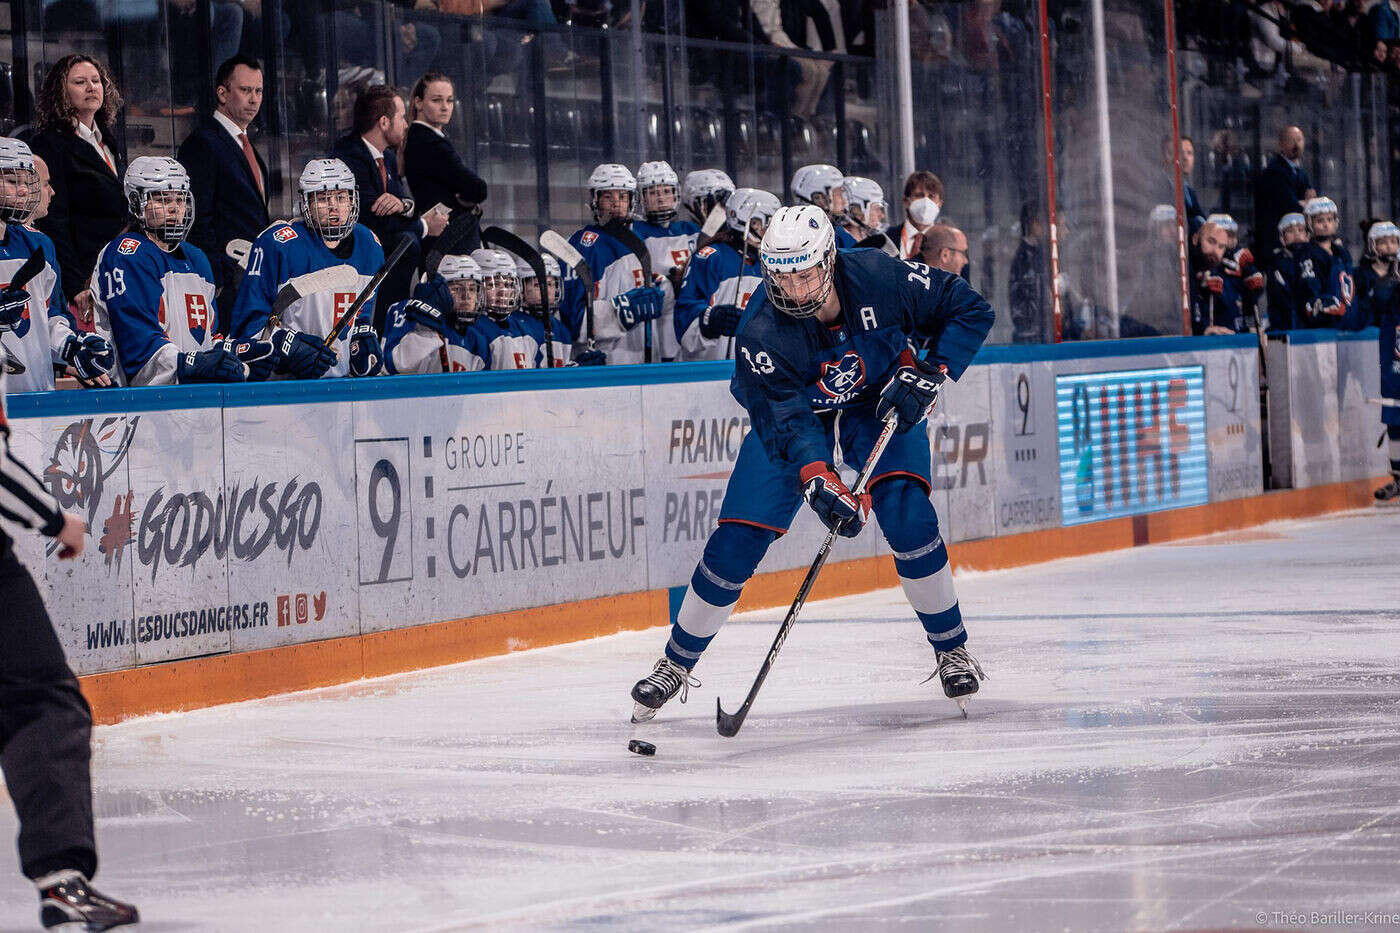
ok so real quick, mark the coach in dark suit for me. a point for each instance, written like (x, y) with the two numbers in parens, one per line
(227, 176)
(436, 173)
(1282, 187)
(77, 105)
(380, 128)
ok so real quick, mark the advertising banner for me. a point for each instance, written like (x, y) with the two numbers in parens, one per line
(1024, 451)
(1131, 442)
(1359, 421)
(961, 436)
(1234, 441)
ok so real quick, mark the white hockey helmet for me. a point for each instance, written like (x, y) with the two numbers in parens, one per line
(865, 203)
(1381, 231)
(162, 185)
(1294, 219)
(328, 217)
(657, 189)
(1224, 222)
(1162, 214)
(798, 257)
(749, 211)
(463, 278)
(500, 284)
(530, 295)
(811, 182)
(610, 176)
(19, 181)
(1318, 208)
(703, 189)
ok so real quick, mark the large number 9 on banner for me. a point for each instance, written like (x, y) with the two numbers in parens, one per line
(385, 510)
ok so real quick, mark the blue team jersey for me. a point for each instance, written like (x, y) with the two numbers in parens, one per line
(615, 270)
(413, 348)
(1384, 305)
(529, 326)
(283, 252)
(46, 323)
(1284, 313)
(512, 345)
(1374, 291)
(1324, 282)
(1227, 309)
(714, 277)
(790, 370)
(670, 248)
(844, 240)
(152, 306)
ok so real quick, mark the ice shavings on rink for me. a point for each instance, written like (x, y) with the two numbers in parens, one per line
(1173, 737)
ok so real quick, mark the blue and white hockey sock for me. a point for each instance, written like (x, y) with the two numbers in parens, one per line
(1393, 433)
(730, 557)
(910, 525)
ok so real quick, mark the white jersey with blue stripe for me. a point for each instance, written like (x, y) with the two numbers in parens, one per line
(410, 347)
(152, 306)
(712, 278)
(670, 248)
(46, 323)
(283, 252)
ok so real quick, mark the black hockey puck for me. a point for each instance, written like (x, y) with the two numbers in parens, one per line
(638, 747)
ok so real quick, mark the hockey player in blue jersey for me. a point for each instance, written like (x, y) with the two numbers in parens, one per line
(532, 302)
(502, 327)
(825, 187)
(432, 331)
(1324, 267)
(153, 293)
(669, 241)
(722, 277)
(702, 190)
(623, 303)
(35, 327)
(1382, 305)
(1285, 286)
(824, 355)
(1220, 303)
(286, 254)
(1376, 276)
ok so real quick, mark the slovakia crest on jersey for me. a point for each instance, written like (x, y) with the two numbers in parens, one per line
(284, 235)
(589, 238)
(128, 246)
(841, 379)
(707, 251)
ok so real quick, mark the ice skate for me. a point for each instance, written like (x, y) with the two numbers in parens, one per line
(652, 691)
(68, 897)
(960, 673)
(1389, 494)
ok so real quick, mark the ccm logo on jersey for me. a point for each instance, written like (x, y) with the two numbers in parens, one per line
(128, 246)
(841, 378)
(589, 238)
(284, 235)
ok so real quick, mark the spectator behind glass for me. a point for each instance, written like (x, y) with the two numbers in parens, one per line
(1282, 188)
(1028, 293)
(1192, 204)
(945, 247)
(435, 172)
(76, 108)
(228, 178)
(923, 199)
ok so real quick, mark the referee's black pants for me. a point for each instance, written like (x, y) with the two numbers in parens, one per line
(45, 732)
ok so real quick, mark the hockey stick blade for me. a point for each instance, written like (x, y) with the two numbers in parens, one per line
(1385, 402)
(554, 243)
(362, 298)
(513, 244)
(714, 222)
(330, 279)
(728, 724)
(881, 242)
(238, 251)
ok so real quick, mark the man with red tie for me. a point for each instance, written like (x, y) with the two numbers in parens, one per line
(227, 176)
(381, 126)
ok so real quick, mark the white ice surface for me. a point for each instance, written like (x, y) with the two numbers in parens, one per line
(1173, 737)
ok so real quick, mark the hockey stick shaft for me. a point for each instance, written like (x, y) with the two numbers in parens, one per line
(622, 231)
(363, 297)
(556, 244)
(728, 724)
(27, 270)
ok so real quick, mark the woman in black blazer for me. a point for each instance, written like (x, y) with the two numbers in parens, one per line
(435, 172)
(73, 133)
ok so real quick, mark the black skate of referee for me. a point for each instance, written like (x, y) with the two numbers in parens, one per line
(45, 724)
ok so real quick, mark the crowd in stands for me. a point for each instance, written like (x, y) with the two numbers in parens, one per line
(1299, 37)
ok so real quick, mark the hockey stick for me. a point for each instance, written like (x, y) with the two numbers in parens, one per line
(1385, 402)
(714, 222)
(238, 251)
(495, 236)
(727, 724)
(451, 237)
(330, 279)
(27, 270)
(1263, 388)
(405, 241)
(622, 231)
(554, 243)
(881, 242)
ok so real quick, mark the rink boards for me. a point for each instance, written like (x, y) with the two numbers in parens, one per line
(252, 517)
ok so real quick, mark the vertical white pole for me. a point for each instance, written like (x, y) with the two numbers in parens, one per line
(904, 90)
(1106, 160)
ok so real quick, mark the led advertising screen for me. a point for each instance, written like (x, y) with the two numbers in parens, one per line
(1131, 442)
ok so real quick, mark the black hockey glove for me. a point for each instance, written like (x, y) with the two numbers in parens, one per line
(302, 355)
(720, 321)
(13, 301)
(911, 392)
(366, 353)
(213, 365)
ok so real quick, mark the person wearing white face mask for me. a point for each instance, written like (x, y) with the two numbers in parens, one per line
(923, 200)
